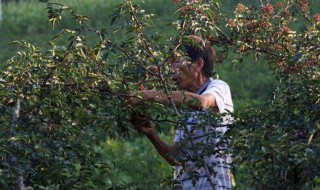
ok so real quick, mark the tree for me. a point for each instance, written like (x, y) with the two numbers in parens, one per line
(59, 102)
(0, 10)
(281, 144)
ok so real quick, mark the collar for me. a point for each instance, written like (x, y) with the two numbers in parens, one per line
(204, 86)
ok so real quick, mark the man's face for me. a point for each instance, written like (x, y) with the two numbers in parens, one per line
(182, 72)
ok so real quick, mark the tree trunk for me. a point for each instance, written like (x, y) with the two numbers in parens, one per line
(0, 10)
(14, 159)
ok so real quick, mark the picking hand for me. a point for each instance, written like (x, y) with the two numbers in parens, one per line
(142, 124)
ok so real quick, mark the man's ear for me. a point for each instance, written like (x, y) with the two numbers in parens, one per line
(199, 64)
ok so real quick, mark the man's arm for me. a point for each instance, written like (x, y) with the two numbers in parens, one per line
(162, 148)
(179, 98)
(145, 126)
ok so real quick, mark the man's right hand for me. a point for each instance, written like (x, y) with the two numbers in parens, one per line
(142, 124)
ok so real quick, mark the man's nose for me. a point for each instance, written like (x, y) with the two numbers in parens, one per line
(174, 73)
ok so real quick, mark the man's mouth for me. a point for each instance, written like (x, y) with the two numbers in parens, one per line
(176, 81)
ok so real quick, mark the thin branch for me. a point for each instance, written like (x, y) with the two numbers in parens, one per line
(224, 34)
(148, 48)
(261, 3)
(288, 6)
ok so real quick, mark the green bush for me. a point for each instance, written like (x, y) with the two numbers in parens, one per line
(134, 162)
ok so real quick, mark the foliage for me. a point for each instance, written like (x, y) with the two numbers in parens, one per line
(61, 101)
(130, 166)
(60, 104)
(281, 145)
(33, 27)
(70, 91)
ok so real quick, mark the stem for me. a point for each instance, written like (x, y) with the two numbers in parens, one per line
(288, 6)
(261, 3)
(223, 34)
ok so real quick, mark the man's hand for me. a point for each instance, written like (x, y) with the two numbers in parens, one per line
(133, 99)
(143, 124)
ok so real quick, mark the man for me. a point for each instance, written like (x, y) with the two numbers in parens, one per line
(195, 168)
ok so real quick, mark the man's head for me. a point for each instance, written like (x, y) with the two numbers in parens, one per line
(194, 59)
(196, 48)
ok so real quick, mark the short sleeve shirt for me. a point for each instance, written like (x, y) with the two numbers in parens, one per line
(204, 131)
